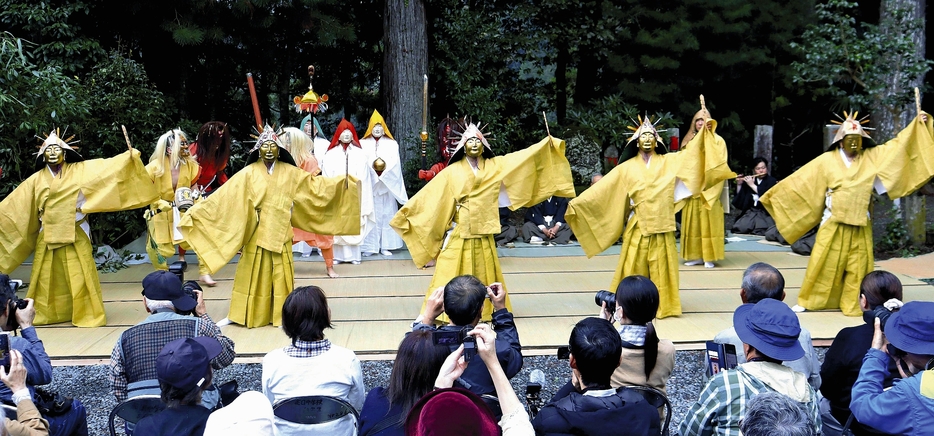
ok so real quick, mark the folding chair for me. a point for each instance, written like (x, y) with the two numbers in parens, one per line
(656, 398)
(135, 409)
(314, 409)
(10, 411)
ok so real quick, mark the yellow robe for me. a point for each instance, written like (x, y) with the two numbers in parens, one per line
(638, 202)
(254, 212)
(162, 224)
(458, 195)
(702, 226)
(842, 253)
(40, 215)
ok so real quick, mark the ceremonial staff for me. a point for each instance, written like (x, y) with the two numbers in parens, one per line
(424, 134)
(259, 119)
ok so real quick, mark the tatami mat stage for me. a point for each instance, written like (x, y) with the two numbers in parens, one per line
(373, 304)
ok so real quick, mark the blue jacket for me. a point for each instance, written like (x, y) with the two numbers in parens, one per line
(180, 421)
(906, 409)
(37, 362)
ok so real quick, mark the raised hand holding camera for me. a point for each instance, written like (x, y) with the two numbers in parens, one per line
(451, 369)
(25, 312)
(497, 294)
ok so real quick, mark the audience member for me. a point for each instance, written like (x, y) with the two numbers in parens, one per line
(761, 281)
(845, 357)
(908, 407)
(249, 415)
(413, 373)
(769, 331)
(774, 414)
(596, 178)
(588, 404)
(544, 223)
(133, 360)
(462, 300)
(38, 365)
(647, 360)
(507, 232)
(753, 218)
(184, 370)
(311, 365)
(28, 421)
(515, 420)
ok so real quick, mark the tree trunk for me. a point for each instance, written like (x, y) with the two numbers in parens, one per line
(763, 145)
(561, 82)
(405, 63)
(892, 120)
(888, 121)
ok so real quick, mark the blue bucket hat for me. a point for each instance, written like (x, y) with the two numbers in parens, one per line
(771, 327)
(185, 363)
(911, 329)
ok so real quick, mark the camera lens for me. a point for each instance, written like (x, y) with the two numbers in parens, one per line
(883, 314)
(607, 297)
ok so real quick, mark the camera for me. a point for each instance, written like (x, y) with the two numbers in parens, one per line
(883, 314)
(564, 352)
(14, 304)
(189, 288)
(454, 338)
(604, 296)
(178, 268)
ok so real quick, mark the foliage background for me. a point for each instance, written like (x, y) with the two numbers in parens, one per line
(590, 65)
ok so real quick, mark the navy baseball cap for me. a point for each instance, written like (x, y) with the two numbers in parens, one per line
(184, 363)
(163, 285)
(911, 329)
(771, 327)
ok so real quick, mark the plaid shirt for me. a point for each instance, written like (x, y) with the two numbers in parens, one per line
(303, 349)
(722, 403)
(119, 379)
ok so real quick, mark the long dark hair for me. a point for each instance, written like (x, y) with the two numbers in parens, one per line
(638, 297)
(417, 364)
(214, 144)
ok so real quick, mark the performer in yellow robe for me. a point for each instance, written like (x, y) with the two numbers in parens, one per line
(254, 212)
(171, 167)
(48, 213)
(302, 149)
(639, 196)
(702, 226)
(834, 191)
(455, 216)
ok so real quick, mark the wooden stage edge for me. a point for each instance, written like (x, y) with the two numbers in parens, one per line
(373, 305)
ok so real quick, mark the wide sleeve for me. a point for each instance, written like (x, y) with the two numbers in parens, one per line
(537, 172)
(424, 219)
(702, 165)
(392, 175)
(797, 202)
(19, 225)
(598, 215)
(218, 226)
(907, 162)
(327, 206)
(115, 184)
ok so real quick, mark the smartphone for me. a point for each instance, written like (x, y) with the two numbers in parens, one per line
(5, 351)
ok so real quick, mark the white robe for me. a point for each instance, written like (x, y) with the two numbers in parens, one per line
(388, 193)
(337, 162)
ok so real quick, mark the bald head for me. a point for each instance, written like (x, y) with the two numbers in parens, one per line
(596, 178)
(761, 281)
